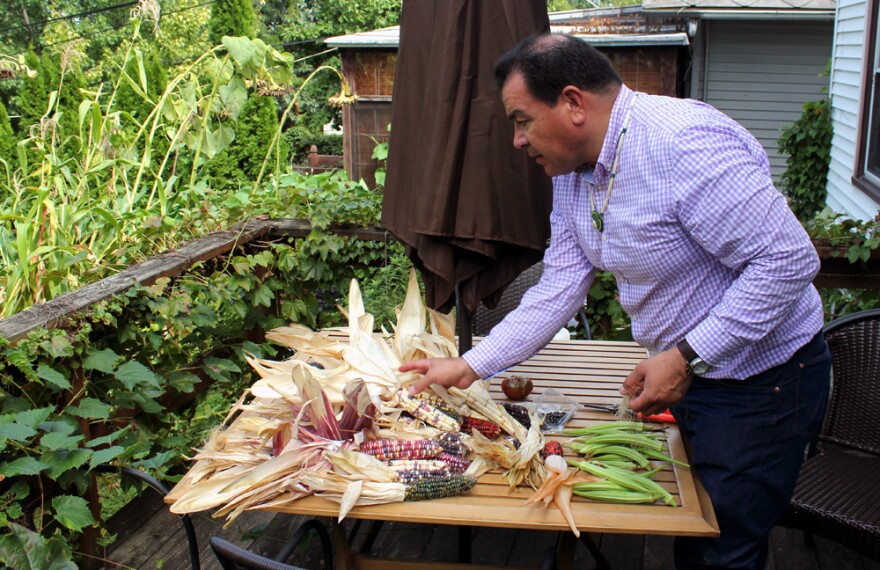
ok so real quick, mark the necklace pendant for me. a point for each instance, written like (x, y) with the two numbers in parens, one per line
(598, 221)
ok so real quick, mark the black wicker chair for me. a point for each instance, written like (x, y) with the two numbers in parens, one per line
(485, 318)
(836, 494)
(157, 485)
(234, 557)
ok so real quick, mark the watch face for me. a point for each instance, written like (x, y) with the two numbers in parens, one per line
(700, 366)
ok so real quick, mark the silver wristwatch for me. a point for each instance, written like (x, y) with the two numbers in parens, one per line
(695, 365)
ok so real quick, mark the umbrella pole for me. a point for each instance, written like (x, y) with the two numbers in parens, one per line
(465, 342)
(465, 323)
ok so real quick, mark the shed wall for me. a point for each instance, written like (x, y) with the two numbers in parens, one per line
(761, 74)
(365, 123)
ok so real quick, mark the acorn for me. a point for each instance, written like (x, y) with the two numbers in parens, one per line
(516, 387)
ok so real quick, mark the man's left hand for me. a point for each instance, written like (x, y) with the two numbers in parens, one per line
(657, 383)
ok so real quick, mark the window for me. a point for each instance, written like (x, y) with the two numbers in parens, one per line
(867, 171)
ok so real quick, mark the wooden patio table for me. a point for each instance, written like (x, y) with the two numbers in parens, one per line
(589, 372)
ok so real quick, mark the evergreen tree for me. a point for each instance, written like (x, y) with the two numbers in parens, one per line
(33, 96)
(240, 162)
(7, 139)
(231, 18)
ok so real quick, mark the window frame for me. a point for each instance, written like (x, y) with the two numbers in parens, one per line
(867, 182)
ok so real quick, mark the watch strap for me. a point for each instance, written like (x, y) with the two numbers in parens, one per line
(687, 351)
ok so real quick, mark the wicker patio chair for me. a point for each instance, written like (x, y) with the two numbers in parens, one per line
(157, 485)
(234, 557)
(485, 318)
(836, 495)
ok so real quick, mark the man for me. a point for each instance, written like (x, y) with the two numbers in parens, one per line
(676, 200)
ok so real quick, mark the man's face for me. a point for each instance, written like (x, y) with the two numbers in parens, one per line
(543, 131)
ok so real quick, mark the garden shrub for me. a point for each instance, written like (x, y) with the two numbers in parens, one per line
(807, 142)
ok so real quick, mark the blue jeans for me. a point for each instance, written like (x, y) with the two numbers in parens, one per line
(747, 441)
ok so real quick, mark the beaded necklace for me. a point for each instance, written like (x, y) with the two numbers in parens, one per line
(599, 215)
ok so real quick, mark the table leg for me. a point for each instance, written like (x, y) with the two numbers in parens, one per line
(344, 559)
(372, 534)
(601, 562)
(568, 545)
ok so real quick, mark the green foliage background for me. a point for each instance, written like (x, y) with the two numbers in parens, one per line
(807, 142)
(231, 18)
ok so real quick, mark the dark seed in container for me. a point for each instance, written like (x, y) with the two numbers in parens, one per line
(553, 420)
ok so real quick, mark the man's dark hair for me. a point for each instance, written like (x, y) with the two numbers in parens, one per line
(550, 62)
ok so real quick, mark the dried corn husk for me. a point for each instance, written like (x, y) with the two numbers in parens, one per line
(298, 421)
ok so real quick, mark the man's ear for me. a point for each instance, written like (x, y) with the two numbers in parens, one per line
(576, 102)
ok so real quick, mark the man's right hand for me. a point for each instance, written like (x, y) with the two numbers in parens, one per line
(444, 371)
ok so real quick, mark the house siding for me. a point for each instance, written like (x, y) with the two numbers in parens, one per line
(845, 88)
(761, 74)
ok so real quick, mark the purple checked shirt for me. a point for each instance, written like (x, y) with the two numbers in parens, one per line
(701, 243)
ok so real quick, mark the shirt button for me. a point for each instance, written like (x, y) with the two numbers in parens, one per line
(605, 238)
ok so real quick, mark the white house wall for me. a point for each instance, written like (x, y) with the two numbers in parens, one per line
(846, 80)
(761, 73)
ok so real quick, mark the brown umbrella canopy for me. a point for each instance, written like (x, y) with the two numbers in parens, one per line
(470, 208)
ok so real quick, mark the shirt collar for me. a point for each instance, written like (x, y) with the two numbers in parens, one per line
(615, 123)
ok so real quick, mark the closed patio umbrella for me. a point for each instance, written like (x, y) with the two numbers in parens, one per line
(472, 210)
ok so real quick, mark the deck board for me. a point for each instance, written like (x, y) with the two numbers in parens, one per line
(411, 541)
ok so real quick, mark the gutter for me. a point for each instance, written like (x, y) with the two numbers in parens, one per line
(389, 38)
(739, 14)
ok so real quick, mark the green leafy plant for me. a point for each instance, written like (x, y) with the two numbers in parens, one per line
(608, 320)
(857, 238)
(807, 142)
(858, 242)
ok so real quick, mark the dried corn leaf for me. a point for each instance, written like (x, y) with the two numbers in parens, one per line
(302, 338)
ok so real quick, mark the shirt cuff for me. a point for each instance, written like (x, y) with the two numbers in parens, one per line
(711, 342)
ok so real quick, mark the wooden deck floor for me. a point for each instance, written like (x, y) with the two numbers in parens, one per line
(149, 537)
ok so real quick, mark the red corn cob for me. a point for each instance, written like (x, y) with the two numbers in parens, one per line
(485, 427)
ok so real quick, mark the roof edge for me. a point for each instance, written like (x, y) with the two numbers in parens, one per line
(741, 14)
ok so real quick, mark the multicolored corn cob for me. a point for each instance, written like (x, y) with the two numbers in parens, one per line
(453, 443)
(552, 447)
(428, 467)
(389, 449)
(439, 487)
(485, 427)
(413, 476)
(406, 418)
(425, 412)
(439, 403)
(456, 463)
(519, 413)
